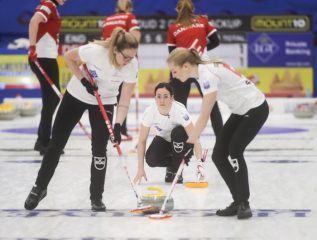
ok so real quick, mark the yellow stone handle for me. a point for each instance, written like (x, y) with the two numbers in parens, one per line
(158, 192)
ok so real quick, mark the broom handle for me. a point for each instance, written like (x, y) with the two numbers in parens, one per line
(179, 172)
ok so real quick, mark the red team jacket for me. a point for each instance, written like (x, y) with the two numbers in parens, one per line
(52, 25)
(179, 36)
(125, 20)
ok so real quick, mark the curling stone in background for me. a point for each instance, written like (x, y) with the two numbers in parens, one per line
(304, 110)
(156, 199)
(28, 109)
(8, 111)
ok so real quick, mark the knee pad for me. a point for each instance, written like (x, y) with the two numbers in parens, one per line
(178, 137)
(99, 163)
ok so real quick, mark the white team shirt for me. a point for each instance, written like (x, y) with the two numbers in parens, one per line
(233, 89)
(164, 124)
(107, 77)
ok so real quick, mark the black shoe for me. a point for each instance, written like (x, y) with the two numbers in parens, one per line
(231, 210)
(244, 211)
(170, 175)
(98, 206)
(35, 196)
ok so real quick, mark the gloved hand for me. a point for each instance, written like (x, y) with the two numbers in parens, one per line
(89, 88)
(32, 53)
(117, 133)
(188, 152)
(200, 171)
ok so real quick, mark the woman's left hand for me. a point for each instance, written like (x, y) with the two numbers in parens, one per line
(139, 175)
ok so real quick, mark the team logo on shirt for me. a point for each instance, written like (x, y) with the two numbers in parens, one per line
(206, 84)
(158, 128)
(93, 73)
(185, 116)
(46, 9)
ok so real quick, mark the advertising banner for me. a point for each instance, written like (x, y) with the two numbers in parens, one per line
(280, 49)
(282, 82)
(15, 70)
(290, 23)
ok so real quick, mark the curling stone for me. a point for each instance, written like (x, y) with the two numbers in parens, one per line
(304, 110)
(156, 199)
(8, 111)
(28, 110)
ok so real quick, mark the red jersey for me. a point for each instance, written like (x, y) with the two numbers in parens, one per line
(47, 38)
(125, 20)
(180, 36)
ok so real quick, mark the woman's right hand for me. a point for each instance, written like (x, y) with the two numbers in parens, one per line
(141, 173)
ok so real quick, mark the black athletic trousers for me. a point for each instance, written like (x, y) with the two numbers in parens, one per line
(162, 153)
(68, 115)
(236, 134)
(181, 93)
(49, 97)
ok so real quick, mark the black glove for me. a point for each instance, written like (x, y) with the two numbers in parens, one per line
(89, 88)
(117, 133)
(188, 152)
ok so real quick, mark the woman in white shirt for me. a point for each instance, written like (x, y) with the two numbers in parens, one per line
(110, 62)
(249, 109)
(173, 124)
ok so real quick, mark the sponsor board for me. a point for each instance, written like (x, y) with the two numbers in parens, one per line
(280, 49)
(293, 23)
(282, 82)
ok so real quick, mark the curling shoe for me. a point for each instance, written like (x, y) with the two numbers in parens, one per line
(35, 196)
(170, 175)
(231, 210)
(98, 206)
(244, 210)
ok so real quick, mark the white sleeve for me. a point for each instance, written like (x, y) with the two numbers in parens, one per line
(86, 53)
(130, 74)
(182, 116)
(147, 117)
(208, 83)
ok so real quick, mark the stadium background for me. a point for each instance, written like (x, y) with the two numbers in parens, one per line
(274, 42)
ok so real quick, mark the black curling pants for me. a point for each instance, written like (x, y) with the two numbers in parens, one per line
(68, 115)
(162, 153)
(235, 136)
(181, 93)
(49, 97)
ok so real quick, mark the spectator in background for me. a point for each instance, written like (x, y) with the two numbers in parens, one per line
(125, 19)
(44, 29)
